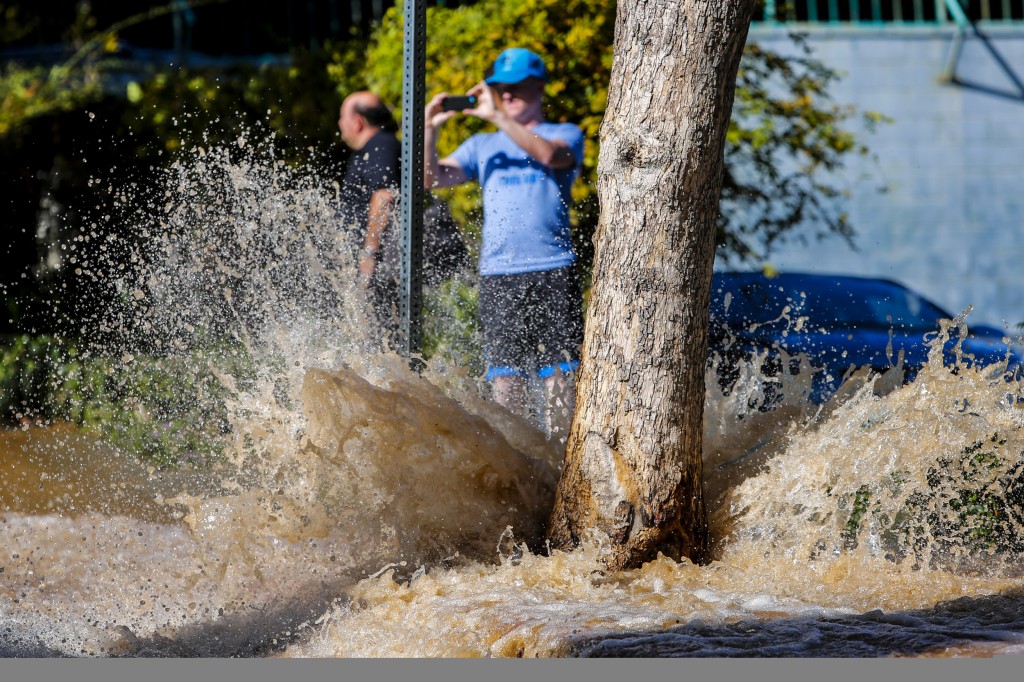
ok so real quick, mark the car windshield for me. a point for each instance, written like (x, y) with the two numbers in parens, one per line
(828, 304)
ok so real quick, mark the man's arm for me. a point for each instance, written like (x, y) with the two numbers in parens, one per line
(382, 203)
(552, 153)
(446, 172)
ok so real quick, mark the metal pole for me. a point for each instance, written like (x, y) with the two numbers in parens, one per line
(413, 101)
(182, 20)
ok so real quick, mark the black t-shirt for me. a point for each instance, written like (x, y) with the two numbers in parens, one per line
(374, 167)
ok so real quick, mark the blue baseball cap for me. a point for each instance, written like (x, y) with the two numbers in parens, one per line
(516, 64)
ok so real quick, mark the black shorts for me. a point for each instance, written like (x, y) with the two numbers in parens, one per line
(383, 298)
(532, 322)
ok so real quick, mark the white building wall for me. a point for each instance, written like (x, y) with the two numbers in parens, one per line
(952, 161)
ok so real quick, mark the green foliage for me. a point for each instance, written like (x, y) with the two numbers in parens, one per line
(296, 101)
(29, 93)
(168, 411)
(12, 27)
(861, 504)
(23, 91)
(971, 506)
(27, 377)
(450, 326)
(296, 98)
(975, 498)
(784, 140)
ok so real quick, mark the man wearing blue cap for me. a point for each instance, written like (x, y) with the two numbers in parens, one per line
(530, 303)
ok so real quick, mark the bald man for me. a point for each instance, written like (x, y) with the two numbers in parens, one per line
(369, 192)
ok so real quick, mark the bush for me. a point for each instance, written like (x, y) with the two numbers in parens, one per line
(168, 411)
(451, 330)
(970, 507)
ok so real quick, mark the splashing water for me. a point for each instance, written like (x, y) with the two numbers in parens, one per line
(350, 507)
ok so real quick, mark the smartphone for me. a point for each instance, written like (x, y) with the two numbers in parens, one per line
(458, 103)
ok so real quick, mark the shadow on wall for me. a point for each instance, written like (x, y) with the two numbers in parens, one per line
(951, 76)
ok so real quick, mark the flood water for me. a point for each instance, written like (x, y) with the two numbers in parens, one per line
(363, 510)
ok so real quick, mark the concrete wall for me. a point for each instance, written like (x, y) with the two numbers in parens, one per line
(950, 223)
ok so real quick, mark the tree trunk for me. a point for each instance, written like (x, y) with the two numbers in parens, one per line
(633, 462)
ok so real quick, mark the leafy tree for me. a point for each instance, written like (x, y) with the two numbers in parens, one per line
(296, 100)
(54, 118)
(28, 92)
(293, 97)
(785, 140)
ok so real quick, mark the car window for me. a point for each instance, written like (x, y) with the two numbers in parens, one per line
(775, 304)
(902, 309)
(751, 303)
(836, 307)
(859, 306)
(827, 304)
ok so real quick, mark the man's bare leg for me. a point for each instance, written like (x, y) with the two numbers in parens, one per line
(559, 404)
(511, 392)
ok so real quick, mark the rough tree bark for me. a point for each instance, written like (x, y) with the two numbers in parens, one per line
(633, 462)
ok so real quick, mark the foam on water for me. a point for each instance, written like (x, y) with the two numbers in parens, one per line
(786, 556)
(361, 509)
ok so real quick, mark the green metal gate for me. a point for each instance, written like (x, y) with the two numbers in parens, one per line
(891, 11)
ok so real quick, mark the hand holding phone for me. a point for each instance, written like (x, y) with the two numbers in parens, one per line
(458, 103)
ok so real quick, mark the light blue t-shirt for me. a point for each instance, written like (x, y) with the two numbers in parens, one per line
(526, 204)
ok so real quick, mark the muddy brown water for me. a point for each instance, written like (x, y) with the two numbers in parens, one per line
(361, 510)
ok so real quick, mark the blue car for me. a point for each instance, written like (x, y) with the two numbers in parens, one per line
(839, 322)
